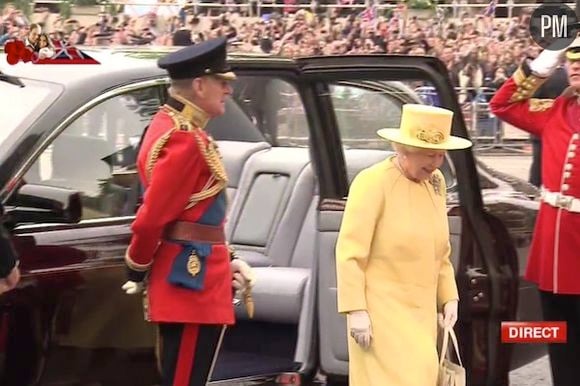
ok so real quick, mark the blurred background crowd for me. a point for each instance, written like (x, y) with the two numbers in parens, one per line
(479, 48)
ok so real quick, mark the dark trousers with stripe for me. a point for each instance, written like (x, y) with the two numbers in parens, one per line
(564, 357)
(188, 352)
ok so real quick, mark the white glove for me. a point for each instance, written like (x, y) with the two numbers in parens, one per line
(449, 316)
(360, 328)
(132, 287)
(243, 276)
(546, 62)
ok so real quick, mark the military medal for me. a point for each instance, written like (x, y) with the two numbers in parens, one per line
(193, 264)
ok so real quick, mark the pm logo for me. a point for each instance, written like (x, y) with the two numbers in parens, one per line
(554, 26)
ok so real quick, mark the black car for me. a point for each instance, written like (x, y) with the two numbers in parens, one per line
(294, 135)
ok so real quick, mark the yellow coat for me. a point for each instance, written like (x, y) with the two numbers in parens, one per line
(393, 261)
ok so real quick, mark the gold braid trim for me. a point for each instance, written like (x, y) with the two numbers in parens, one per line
(212, 157)
(218, 180)
(214, 161)
(537, 104)
(527, 84)
(156, 151)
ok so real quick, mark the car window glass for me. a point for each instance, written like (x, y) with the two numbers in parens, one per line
(23, 104)
(363, 107)
(274, 106)
(96, 154)
(234, 125)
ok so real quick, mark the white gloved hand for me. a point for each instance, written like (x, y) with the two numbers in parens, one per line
(547, 62)
(360, 328)
(243, 276)
(132, 287)
(449, 316)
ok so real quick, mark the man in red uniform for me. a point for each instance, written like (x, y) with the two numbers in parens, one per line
(554, 261)
(178, 245)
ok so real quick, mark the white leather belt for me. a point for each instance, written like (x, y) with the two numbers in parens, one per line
(559, 200)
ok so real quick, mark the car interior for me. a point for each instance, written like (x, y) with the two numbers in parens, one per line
(273, 225)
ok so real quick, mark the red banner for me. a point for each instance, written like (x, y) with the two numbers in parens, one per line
(533, 332)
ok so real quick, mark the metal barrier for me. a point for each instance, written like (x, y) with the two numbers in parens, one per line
(486, 131)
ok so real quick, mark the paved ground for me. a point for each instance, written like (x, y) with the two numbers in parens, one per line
(536, 373)
(517, 165)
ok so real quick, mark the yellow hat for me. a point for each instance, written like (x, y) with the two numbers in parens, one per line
(426, 127)
(573, 50)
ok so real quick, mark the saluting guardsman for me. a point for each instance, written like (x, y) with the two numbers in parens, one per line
(178, 246)
(554, 260)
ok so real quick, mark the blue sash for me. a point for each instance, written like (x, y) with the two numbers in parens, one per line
(189, 267)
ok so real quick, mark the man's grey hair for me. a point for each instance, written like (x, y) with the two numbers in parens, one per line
(181, 84)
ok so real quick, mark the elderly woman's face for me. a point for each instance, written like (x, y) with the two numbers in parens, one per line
(419, 163)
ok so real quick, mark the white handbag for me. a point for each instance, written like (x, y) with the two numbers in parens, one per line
(450, 374)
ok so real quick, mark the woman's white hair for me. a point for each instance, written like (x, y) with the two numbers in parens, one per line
(403, 149)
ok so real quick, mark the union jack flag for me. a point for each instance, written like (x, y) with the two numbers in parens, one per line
(62, 50)
(64, 53)
(369, 14)
(490, 9)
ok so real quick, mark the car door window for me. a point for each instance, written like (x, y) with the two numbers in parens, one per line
(96, 154)
(363, 107)
(274, 106)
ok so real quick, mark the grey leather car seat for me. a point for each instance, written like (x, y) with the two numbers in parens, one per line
(274, 193)
(272, 225)
(235, 154)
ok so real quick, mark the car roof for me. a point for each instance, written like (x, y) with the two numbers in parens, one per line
(117, 63)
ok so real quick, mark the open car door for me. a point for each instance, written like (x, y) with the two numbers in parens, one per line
(349, 99)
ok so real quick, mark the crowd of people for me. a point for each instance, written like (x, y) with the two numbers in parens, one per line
(478, 49)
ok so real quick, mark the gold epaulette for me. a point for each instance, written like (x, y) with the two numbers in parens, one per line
(218, 180)
(527, 82)
(538, 105)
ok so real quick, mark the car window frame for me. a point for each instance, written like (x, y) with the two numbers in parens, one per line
(323, 70)
(372, 86)
(156, 83)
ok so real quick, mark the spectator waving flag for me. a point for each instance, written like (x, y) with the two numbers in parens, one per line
(369, 14)
(490, 9)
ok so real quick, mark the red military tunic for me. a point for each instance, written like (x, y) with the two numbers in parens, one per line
(174, 163)
(554, 260)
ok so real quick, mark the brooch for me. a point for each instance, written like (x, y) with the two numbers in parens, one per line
(193, 264)
(435, 181)
(433, 137)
